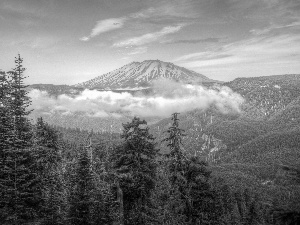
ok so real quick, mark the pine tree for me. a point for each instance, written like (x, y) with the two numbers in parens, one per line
(135, 166)
(105, 208)
(5, 139)
(198, 193)
(5, 116)
(19, 181)
(20, 103)
(176, 157)
(189, 176)
(81, 199)
(177, 161)
(169, 204)
(50, 171)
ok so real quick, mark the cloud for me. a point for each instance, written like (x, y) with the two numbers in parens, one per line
(258, 55)
(43, 42)
(275, 27)
(106, 25)
(148, 38)
(143, 13)
(167, 97)
(258, 49)
(138, 50)
(21, 7)
(84, 38)
(195, 41)
(160, 14)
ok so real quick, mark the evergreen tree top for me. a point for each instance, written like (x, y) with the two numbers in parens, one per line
(136, 128)
(175, 134)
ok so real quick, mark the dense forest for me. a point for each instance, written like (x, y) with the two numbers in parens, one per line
(52, 175)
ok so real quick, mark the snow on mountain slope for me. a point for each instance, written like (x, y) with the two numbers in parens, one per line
(140, 74)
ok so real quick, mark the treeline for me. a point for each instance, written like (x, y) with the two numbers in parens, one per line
(45, 179)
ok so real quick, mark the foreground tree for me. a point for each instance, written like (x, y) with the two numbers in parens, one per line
(188, 176)
(135, 166)
(5, 116)
(49, 160)
(81, 198)
(176, 158)
(5, 113)
(19, 179)
(6, 134)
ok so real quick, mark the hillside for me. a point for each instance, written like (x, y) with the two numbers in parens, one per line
(140, 74)
(268, 94)
(55, 90)
(257, 149)
(272, 105)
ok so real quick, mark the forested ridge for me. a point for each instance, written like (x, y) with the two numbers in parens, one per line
(52, 175)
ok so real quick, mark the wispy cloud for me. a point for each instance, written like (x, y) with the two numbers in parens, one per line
(148, 38)
(254, 48)
(244, 57)
(146, 13)
(275, 27)
(106, 25)
(138, 50)
(194, 41)
(45, 43)
(23, 8)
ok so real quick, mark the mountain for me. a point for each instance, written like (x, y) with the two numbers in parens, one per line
(140, 74)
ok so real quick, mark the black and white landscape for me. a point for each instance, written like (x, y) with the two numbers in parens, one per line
(156, 113)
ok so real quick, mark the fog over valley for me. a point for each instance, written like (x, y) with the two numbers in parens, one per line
(168, 96)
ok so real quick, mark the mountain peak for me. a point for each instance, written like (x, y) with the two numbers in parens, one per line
(141, 74)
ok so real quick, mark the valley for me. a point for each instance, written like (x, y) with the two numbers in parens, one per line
(161, 112)
(247, 130)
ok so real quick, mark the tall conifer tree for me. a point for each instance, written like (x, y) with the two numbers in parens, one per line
(19, 180)
(134, 162)
(81, 199)
(189, 176)
(5, 139)
(49, 160)
(176, 157)
(5, 116)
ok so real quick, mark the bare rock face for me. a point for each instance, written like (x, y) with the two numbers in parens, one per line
(212, 147)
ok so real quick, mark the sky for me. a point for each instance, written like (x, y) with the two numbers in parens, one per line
(71, 41)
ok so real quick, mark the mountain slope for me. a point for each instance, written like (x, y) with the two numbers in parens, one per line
(272, 106)
(268, 94)
(140, 74)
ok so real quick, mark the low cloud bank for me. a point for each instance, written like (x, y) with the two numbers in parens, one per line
(168, 97)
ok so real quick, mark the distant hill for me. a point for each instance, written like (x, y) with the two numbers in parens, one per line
(56, 90)
(140, 74)
(252, 149)
(272, 105)
(268, 94)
